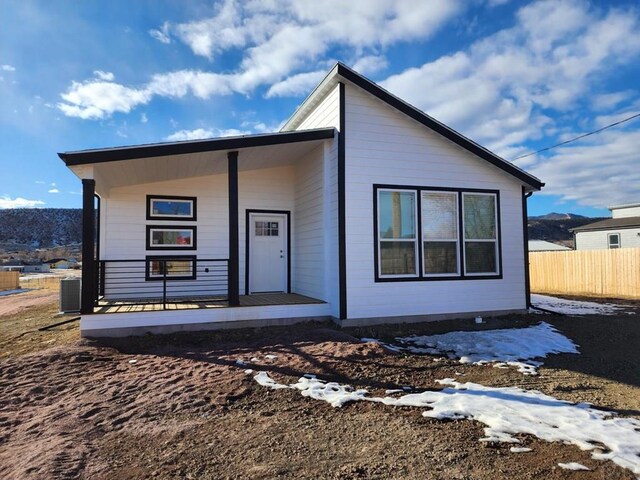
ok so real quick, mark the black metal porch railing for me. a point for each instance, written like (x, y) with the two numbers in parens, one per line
(161, 280)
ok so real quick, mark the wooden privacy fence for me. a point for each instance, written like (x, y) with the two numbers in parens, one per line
(9, 280)
(606, 273)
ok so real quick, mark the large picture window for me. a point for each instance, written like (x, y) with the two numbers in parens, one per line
(161, 237)
(436, 234)
(167, 207)
(397, 232)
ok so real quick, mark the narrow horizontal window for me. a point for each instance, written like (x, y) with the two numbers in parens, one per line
(171, 208)
(171, 268)
(160, 237)
(397, 233)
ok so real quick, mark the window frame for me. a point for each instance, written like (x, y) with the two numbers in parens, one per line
(480, 240)
(618, 244)
(421, 276)
(415, 240)
(152, 278)
(194, 237)
(172, 198)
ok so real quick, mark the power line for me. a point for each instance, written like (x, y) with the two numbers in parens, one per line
(578, 137)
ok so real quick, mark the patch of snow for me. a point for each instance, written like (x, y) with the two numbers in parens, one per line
(506, 412)
(133, 361)
(310, 376)
(509, 347)
(265, 380)
(573, 466)
(248, 371)
(13, 292)
(255, 359)
(393, 390)
(574, 307)
(240, 362)
(270, 357)
(388, 346)
(520, 449)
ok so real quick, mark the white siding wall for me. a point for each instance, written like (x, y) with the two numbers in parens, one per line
(629, 238)
(308, 235)
(326, 114)
(266, 189)
(386, 147)
(625, 212)
(124, 213)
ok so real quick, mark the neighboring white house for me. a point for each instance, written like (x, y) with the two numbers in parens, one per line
(362, 209)
(622, 230)
(544, 246)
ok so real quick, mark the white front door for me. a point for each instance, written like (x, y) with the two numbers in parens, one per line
(268, 252)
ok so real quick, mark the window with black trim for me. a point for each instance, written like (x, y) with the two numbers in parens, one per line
(429, 233)
(169, 207)
(613, 240)
(164, 237)
(176, 267)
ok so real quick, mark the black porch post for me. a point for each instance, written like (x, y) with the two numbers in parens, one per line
(88, 231)
(234, 253)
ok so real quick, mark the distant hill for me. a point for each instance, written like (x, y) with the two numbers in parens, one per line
(558, 216)
(554, 227)
(29, 228)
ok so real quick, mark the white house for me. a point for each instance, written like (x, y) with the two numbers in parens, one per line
(622, 230)
(362, 209)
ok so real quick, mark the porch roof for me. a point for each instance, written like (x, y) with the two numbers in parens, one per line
(120, 166)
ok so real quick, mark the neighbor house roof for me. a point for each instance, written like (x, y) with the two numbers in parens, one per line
(628, 205)
(101, 155)
(342, 72)
(544, 246)
(609, 224)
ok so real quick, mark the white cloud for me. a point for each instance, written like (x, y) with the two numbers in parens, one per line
(606, 101)
(161, 34)
(203, 133)
(519, 84)
(7, 68)
(370, 64)
(53, 184)
(279, 40)
(106, 76)
(144, 118)
(296, 84)
(40, 182)
(18, 202)
(54, 190)
(600, 171)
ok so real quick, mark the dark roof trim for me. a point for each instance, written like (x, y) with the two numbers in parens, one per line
(430, 122)
(610, 224)
(194, 146)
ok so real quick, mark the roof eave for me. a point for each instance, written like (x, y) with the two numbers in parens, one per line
(86, 157)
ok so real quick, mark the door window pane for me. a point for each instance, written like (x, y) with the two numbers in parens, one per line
(267, 229)
(397, 258)
(397, 214)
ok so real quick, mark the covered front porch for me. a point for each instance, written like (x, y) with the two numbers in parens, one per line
(244, 198)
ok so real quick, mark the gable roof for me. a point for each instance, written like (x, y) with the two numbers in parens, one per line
(342, 72)
(102, 155)
(609, 224)
(544, 246)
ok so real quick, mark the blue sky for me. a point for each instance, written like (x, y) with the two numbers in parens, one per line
(515, 76)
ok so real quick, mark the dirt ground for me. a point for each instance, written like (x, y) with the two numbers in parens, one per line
(179, 406)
